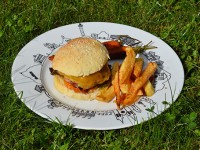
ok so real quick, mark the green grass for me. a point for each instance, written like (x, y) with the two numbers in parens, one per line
(177, 23)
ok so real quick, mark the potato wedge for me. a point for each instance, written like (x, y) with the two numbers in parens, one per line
(140, 93)
(127, 66)
(106, 94)
(130, 99)
(149, 89)
(142, 80)
(137, 70)
(115, 82)
(125, 87)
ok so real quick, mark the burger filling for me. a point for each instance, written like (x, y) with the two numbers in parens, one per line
(85, 83)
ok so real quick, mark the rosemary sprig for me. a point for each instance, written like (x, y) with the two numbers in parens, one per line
(137, 47)
(140, 49)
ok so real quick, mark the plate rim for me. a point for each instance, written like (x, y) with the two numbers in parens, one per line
(77, 126)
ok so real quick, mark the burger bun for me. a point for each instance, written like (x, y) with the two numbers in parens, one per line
(80, 57)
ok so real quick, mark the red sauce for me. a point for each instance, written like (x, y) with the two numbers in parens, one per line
(51, 57)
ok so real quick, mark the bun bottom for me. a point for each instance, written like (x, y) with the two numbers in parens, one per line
(60, 86)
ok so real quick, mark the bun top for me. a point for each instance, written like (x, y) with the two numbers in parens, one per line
(80, 57)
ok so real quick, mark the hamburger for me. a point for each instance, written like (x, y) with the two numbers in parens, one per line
(80, 68)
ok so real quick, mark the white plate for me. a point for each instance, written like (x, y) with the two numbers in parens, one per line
(33, 82)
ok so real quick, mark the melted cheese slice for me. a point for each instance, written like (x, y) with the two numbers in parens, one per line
(92, 80)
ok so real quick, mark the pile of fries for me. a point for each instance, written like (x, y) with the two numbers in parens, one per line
(129, 80)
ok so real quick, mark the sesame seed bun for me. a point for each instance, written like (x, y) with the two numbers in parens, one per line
(80, 57)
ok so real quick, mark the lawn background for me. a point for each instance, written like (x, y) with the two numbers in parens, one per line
(175, 22)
